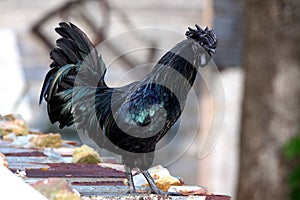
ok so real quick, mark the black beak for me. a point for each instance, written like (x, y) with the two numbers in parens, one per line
(211, 51)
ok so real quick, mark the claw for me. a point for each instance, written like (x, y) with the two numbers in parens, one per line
(133, 192)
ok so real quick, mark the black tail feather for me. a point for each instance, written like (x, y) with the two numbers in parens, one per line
(70, 49)
(74, 51)
(59, 58)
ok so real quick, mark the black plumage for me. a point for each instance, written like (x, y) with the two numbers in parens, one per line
(128, 120)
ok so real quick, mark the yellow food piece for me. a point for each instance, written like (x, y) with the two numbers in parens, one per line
(165, 182)
(13, 123)
(52, 140)
(85, 154)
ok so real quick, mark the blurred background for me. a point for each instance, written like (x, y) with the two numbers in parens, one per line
(251, 125)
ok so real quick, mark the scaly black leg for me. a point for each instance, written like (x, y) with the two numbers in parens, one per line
(131, 187)
(153, 186)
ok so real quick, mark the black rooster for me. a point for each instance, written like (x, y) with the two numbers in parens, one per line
(128, 120)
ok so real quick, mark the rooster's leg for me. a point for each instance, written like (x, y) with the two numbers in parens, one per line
(129, 177)
(153, 186)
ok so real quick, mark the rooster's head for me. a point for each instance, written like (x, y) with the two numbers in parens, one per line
(205, 37)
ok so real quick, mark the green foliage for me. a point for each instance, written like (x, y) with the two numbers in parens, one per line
(292, 152)
(292, 148)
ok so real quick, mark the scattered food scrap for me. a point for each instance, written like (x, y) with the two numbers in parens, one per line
(52, 140)
(189, 190)
(13, 123)
(56, 189)
(14, 130)
(164, 183)
(85, 155)
(161, 176)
